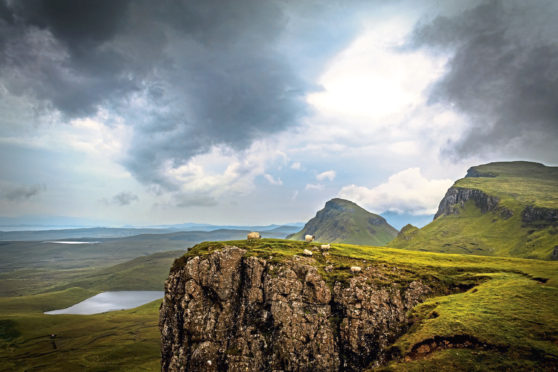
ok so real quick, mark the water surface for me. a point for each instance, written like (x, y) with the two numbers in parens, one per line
(69, 242)
(110, 301)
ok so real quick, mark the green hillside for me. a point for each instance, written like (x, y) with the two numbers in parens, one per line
(501, 209)
(114, 341)
(506, 304)
(342, 221)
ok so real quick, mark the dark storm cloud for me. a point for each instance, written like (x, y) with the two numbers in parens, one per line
(503, 74)
(56, 51)
(121, 199)
(20, 193)
(195, 200)
(125, 198)
(186, 74)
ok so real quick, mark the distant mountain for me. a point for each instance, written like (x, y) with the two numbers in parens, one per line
(209, 227)
(82, 233)
(270, 231)
(398, 220)
(503, 209)
(43, 222)
(342, 221)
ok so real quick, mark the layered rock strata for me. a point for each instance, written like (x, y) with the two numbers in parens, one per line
(456, 197)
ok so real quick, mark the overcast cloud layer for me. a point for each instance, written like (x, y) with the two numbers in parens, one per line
(503, 74)
(222, 111)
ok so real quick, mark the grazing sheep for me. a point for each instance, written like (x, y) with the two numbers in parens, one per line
(325, 247)
(306, 252)
(253, 236)
(309, 238)
(356, 269)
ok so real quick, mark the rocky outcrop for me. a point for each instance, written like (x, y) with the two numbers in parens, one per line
(474, 172)
(229, 311)
(456, 197)
(532, 215)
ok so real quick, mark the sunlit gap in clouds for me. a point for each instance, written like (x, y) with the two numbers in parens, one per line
(373, 79)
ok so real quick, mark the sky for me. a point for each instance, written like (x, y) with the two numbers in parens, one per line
(258, 112)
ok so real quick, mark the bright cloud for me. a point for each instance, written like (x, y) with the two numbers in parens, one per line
(327, 175)
(312, 186)
(222, 171)
(405, 192)
(272, 180)
(371, 80)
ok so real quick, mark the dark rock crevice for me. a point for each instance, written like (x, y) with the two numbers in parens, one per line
(437, 343)
(539, 216)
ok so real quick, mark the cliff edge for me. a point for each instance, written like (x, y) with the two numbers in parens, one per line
(228, 309)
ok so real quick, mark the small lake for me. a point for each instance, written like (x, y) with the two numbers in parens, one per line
(69, 242)
(110, 301)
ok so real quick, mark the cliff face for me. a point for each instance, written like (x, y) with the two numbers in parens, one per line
(229, 311)
(532, 215)
(456, 197)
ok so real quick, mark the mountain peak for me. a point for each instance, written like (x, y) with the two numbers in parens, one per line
(338, 203)
(343, 221)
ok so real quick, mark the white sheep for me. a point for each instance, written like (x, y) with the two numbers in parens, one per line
(356, 269)
(309, 238)
(253, 236)
(325, 247)
(307, 252)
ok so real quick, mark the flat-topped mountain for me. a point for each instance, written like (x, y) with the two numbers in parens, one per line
(342, 221)
(504, 209)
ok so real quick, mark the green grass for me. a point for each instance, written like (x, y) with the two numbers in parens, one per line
(509, 308)
(510, 313)
(472, 232)
(517, 185)
(116, 341)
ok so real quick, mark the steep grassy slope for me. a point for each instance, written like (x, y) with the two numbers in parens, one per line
(502, 209)
(342, 221)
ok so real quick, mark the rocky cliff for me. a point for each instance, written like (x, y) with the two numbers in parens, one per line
(456, 197)
(538, 216)
(230, 310)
